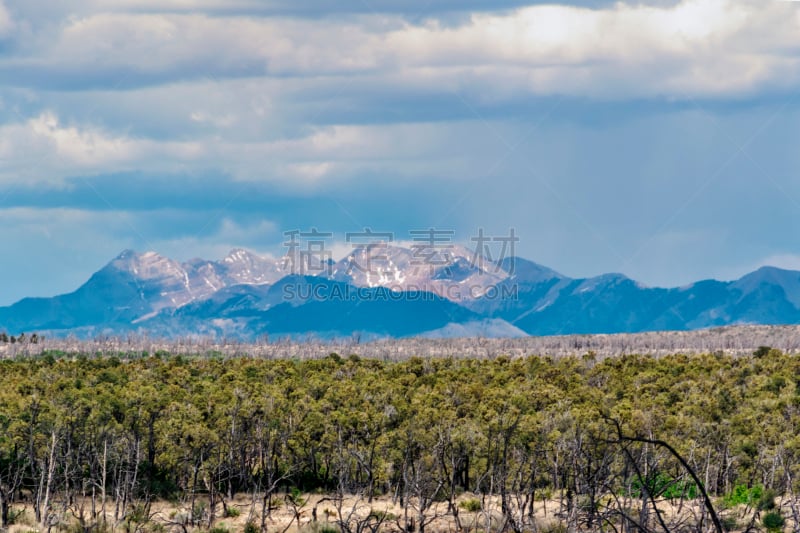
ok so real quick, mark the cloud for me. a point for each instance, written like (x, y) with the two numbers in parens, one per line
(84, 240)
(697, 48)
(45, 150)
(788, 261)
(313, 9)
(6, 23)
(567, 121)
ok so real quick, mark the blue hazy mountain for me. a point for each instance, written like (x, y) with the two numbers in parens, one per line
(248, 296)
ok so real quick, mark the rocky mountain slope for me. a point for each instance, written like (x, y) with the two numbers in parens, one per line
(390, 291)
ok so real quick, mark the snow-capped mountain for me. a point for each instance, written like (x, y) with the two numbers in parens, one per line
(242, 267)
(166, 283)
(454, 272)
(389, 290)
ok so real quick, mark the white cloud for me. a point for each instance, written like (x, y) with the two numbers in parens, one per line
(698, 47)
(6, 23)
(46, 150)
(42, 149)
(171, 5)
(695, 48)
(334, 104)
(785, 261)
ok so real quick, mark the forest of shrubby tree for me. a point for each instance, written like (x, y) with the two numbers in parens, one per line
(34, 338)
(595, 445)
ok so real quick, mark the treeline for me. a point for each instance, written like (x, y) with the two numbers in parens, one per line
(731, 340)
(611, 442)
(34, 338)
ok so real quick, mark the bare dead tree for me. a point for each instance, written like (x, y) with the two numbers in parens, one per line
(622, 438)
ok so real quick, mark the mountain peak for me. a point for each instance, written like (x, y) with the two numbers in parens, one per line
(770, 274)
(788, 280)
(451, 271)
(126, 255)
(129, 258)
(167, 297)
(147, 265)
(528, 271)
(133, 255)
(242, 266)
(773, 270)
(240, 255)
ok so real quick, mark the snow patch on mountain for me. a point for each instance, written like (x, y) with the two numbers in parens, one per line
(489, 328)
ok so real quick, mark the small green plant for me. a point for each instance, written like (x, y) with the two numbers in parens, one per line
(543, 495)
(553, 527)
(198, 511)
(138, 515)
(295, 497)
(767, 500)
(318, 527)
(251, 527)
(729, 523)
(472, 505)
(16, 516)
(382, 516)
(741, 494)
(232, 512)
(773, 521)
(219, 528)
(665, 486)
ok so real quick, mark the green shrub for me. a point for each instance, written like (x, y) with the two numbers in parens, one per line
(762, 351)
(553, 527)
(665, 486)
(729, 523)
(251, 527)
(767, 501)
(219, 528)
(382, 516)
(199, 511)
(232, 512)
(741, 494)
(544, 495)
(295, 496)
(472, 505)
(138, 514)
(16, 516)
(773, 521)
(318, 527)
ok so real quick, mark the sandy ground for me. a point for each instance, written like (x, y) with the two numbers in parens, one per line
(311, 514)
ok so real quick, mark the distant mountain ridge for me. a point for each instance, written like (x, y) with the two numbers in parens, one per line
(389, 291)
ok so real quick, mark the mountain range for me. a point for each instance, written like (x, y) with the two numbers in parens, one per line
(388, 291)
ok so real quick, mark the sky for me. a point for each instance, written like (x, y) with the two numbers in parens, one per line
(658, 139)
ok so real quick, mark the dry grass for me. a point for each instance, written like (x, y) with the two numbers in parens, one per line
(316, 514)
